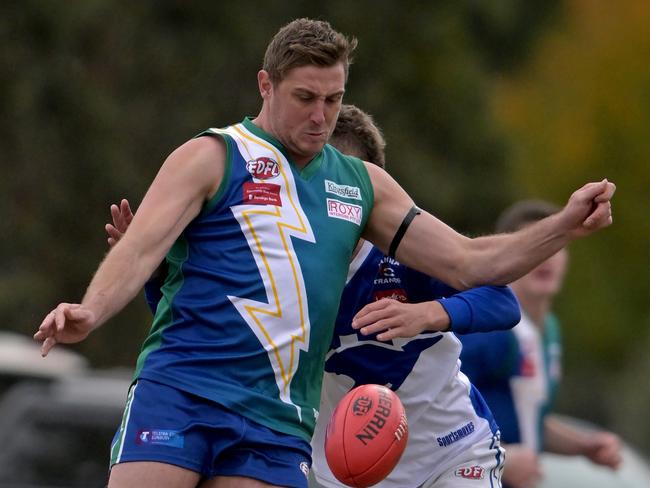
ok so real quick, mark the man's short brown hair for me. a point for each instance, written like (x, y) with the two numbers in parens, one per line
(524, 212)
(356, 133)
(305, 42)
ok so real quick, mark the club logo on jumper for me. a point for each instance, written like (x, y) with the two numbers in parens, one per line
(262, 194)
(470, 472)
(378, 420)
(343, 190)
(304, 467)
(456, 435)
(169, 438)
(386, 274)
(361, 406)
(344, 211)
(394, 294)
(263, 168)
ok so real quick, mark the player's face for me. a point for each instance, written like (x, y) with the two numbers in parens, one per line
(303, 108)
(545, 281)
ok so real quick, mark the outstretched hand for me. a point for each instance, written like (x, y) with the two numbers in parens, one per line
(122, 217)
(68, 323)
(392, 318)
(604, 448)
(589, 208)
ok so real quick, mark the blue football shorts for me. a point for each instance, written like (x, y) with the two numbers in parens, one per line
(163, 424)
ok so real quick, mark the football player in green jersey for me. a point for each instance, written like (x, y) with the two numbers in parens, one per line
(302, 84)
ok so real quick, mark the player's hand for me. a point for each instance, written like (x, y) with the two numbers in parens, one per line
(68, 323)
(522, 469)
(604, 448)
(589, 208)
(392, 318)
(122, 217)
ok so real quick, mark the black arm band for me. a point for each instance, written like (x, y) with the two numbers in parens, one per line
(402, 230)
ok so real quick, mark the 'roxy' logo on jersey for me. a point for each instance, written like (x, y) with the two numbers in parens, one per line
(263, 168)
(344, 211)
(343, 190)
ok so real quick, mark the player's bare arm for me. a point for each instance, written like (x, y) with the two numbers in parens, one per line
(600, 447)
(190, 176)
(432, 247)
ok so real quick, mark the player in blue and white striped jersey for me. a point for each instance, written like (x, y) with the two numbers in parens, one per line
(453, 438)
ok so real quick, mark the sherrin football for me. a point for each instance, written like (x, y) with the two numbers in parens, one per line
(366, 435)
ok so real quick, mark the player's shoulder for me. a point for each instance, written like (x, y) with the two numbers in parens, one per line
(202, 151)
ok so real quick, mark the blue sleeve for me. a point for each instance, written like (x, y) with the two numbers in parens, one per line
(481, 309)
(489, 358)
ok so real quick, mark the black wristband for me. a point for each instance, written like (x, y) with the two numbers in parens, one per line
(402, 230)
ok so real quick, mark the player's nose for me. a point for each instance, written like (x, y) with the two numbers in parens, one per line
(317, 115)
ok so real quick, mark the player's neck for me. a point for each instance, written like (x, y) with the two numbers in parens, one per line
(262, 121)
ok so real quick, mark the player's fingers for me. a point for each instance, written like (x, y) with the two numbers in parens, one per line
(127, 213)
(378, 326)
(48, 344)
(114, 233)
(116, 215)
(600, 217)
(393, 333)
(59, 317)
(591, 190)
(369, 319)
(47, 322)
(607, 194)
(368, 309)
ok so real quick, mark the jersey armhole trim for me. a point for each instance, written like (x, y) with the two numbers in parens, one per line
(212, 203)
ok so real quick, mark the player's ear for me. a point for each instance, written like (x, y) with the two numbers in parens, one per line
(264, 83)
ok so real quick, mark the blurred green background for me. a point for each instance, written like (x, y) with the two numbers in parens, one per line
(481, 103)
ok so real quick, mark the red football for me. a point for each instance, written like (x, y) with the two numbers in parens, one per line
(366, 435)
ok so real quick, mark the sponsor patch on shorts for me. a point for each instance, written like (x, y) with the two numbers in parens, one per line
(160, 437)
(343, 190)
(262, 194)
(344, 211)
(471, 472)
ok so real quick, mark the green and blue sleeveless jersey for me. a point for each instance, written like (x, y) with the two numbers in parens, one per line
(254, 281)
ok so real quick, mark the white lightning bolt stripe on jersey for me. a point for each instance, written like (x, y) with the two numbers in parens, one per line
(282, 323)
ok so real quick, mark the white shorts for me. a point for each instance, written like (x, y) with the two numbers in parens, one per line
(480, 467)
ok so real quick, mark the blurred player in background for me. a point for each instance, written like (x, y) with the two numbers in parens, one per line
(424, 370)
(518, 371)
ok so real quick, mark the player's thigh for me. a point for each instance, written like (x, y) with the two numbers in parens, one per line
(235, 482)
(151, 475)
(480, 466)
(312, 482)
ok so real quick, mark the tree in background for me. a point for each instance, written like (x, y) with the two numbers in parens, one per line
(581, 108)
(96, 93)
